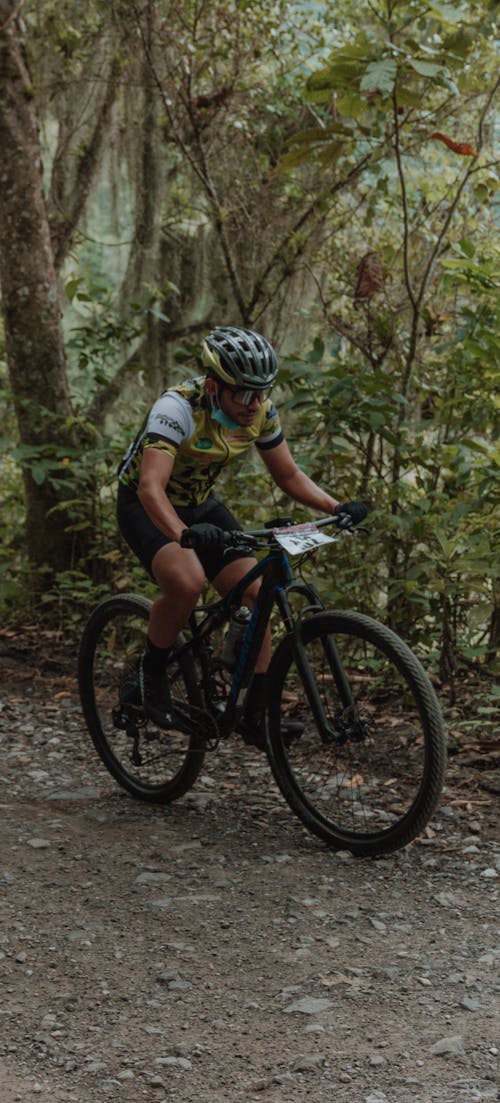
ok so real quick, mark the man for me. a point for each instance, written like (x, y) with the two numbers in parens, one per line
(165, 486)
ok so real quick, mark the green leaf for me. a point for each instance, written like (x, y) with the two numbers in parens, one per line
(460, 42)
(330, 154)
(294, 158)
(467, 246)
(376, 420)
(344, 71)
(381, 75)
(352, 106)
(425, 68)
(317, 352)
(71, 287)
(159, 314)
(316, 134)
(319, 96)
(38, 473)
(407, 98)
(447, 13)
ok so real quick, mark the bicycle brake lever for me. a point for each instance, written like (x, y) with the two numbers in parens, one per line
(241, 548)
(345, 524)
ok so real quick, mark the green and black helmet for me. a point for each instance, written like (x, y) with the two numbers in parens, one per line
(240, 357)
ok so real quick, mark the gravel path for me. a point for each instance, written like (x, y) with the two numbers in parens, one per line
(214, 951)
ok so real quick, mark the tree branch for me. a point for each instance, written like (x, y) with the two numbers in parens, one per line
(404, 201)
(11, 16)
(63, 227)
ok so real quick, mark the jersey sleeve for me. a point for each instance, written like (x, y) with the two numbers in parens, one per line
(169, 423)
(271, 433)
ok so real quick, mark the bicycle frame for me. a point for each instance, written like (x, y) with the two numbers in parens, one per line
(278, 581)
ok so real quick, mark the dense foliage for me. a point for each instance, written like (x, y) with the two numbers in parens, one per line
(322, 172)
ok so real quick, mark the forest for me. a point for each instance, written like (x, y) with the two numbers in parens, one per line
(320, 171)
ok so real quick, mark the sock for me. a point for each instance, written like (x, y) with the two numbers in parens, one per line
(155, 658)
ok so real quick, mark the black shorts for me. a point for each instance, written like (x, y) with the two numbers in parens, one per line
(145, 538)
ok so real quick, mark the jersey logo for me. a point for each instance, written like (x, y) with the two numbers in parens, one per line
(170, 423)
(204, 443)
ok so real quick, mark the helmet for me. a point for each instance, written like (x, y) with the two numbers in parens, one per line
(240, 356)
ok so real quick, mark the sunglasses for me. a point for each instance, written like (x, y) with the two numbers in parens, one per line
(245, 397)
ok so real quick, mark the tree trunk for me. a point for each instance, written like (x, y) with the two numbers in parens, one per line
(35, 351)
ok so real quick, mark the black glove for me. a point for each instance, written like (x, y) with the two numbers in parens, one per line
(350, 514)
(204, 537)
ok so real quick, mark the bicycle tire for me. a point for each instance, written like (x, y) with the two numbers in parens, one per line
(151, 764)
(374, 792)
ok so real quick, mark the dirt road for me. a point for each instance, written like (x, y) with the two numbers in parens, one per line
(214, 951)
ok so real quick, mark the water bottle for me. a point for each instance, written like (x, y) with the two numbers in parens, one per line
(234, 637)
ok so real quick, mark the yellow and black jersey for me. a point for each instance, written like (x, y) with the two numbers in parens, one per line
(181, 424)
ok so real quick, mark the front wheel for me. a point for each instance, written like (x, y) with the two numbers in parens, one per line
(152, 764)
(368, 777)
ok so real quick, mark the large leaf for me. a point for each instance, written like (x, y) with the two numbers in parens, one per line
(425, 68)
(294, 158)
(353, 106)
(316, 134)
(344, 71)
(407, 98)
(380, 75)
(448, 13)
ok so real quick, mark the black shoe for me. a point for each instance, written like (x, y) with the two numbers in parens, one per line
(155, 695)
(254, 732)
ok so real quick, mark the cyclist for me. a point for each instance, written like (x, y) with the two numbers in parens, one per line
(166, 481)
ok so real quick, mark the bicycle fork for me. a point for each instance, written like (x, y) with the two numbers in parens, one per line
(346, 723)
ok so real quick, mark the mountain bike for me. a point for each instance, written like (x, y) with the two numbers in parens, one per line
(364, 772)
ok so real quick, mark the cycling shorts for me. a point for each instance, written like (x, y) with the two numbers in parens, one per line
(145, 539)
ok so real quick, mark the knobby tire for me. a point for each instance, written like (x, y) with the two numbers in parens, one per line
(151, 764)
(372, 792)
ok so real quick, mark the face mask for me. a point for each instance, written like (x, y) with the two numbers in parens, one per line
(223, 419)
(218, 414)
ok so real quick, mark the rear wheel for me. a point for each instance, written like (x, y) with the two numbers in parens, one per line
(370, 780)
(152, 764)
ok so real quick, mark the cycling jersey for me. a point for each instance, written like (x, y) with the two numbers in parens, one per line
(181, 424)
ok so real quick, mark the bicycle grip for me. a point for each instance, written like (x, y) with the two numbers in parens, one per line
(203, 536)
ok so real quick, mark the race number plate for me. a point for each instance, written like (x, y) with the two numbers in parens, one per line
(301, 538)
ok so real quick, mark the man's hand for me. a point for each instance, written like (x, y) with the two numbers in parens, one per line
(350, 514)
(204, 537)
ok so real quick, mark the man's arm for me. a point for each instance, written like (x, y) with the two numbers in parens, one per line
(292, 481)
(156, 469)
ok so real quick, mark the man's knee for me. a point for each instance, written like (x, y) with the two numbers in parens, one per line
(179, 574)
(190, 586)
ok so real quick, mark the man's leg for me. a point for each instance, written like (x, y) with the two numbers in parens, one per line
(181, 579)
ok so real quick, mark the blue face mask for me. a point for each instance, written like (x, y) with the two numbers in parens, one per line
(217, 413)
(223, 419)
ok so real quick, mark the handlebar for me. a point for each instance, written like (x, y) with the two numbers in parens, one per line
(250, 539)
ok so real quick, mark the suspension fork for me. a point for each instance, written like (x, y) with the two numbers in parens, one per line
(308, 680)
(330, 648)
(304, 668)
(340, 677)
